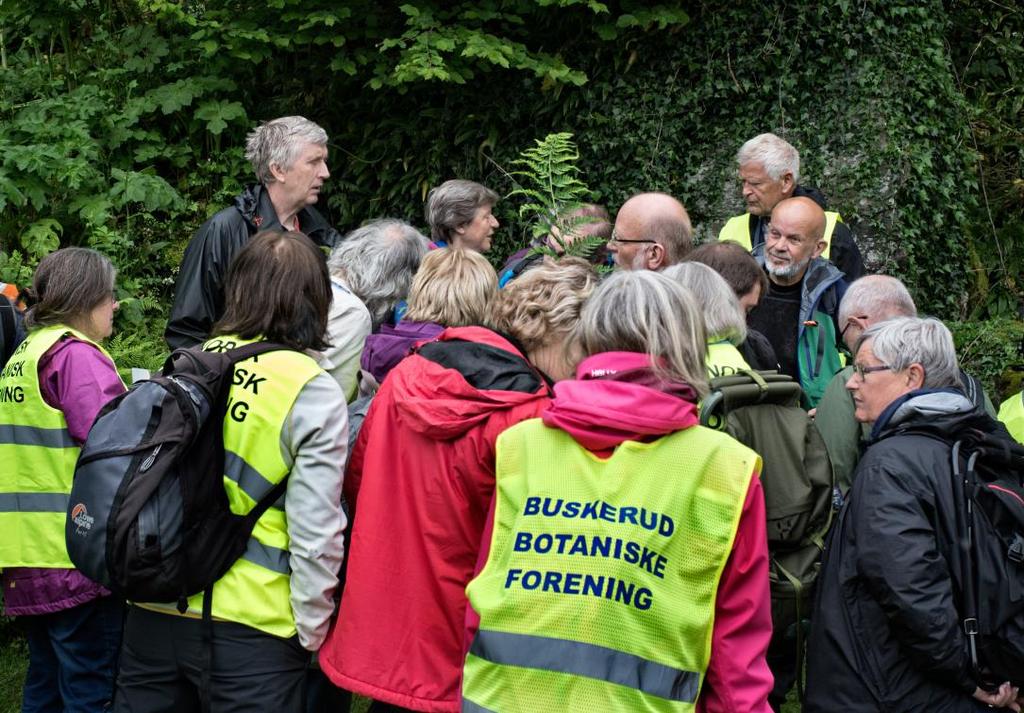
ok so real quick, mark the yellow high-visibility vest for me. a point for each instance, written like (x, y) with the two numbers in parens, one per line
(737, 229)
(256, 591)
(600, 582)
(1011, 413)
(38, 459)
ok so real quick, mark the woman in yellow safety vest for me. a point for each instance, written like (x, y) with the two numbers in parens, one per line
(724, 321)
(286, 418)
(627, 565)
(51, 389)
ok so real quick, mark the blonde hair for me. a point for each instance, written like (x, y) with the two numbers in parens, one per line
(544, 303)
(453, 287)
(646, 312)
(723, 318)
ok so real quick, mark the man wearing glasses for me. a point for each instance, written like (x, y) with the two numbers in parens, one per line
(652, 231)
(868, 301)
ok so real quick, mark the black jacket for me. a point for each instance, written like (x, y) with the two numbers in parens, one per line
(886, 634)
(199, 290)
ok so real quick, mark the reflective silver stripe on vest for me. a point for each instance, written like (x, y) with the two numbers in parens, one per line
(272, 558)
(34, 502)
(32, 436)
(250, 480)
(590, 660)
(469, 706)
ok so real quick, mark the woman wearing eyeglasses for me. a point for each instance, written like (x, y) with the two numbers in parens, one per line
(887, 634)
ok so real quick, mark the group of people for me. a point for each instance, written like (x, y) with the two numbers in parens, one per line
(499, 495)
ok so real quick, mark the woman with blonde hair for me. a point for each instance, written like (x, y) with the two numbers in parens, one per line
(628, 565)
(421, 475)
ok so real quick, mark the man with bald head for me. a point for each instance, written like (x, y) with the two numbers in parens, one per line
(652, 231)
(769, 171)
(799, 314)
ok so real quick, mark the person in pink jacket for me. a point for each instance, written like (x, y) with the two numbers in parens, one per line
(640, 331)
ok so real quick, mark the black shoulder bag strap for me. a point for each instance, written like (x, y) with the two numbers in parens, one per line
(965, 485)
(8, 330)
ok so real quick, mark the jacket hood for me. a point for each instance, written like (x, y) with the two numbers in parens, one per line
(460, 378)
(391, 344)
(616, 397)
(813, 193)
(940, 411)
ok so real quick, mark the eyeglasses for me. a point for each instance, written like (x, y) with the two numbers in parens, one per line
(862, 371)
(616, 239)
(850, 322)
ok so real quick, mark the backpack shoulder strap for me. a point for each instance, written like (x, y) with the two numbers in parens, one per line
(8, 330)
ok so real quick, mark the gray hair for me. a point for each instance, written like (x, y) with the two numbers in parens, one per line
(453, 204)
(646, 312)
(67, 285)
(877, 297)
(279, 142)
(723, 317)
(377, 261)
(901, 342)
(776, 155)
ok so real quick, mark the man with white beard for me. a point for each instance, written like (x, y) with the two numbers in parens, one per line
(799, 314)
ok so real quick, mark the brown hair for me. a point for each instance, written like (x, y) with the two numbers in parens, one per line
(731, 260)
(278, 289)
(68, 284)
(453, 287)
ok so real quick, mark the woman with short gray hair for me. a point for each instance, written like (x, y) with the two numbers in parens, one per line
(890, 582)
(459, 214)
(724, 321)
(618, 460)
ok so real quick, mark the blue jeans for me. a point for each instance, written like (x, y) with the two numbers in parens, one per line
(73, 657)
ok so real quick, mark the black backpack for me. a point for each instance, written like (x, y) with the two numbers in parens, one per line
(762, 410)
(988, 491)
(148, 516)
(12, 331)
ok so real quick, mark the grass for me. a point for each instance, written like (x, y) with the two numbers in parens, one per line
(13, 663)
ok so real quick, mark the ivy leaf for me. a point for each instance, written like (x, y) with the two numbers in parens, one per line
(217, 114)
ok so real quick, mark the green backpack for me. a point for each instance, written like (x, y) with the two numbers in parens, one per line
(762, 411)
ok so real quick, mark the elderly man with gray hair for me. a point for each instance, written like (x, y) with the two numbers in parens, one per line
(289, 158)
(868, 301)
(371, 271)
(889, 629)
(769, 171)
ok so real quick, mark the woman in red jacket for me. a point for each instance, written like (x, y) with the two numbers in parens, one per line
(421, 478)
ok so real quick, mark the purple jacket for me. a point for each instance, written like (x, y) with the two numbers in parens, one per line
(391, 344)
(77, 379)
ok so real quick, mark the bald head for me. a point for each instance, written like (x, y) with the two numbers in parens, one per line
(795, 236)
(655, 217)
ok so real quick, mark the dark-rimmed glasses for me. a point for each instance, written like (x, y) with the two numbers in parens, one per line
(616, 239)
(861, 371)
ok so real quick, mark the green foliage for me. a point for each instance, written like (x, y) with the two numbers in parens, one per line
(993, 352)
(548, 180)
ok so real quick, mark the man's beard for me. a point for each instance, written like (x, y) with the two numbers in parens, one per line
(787, 271)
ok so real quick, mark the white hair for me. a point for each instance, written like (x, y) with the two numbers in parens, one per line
(646, 312)
(723, 317)
(279, 142)
(377, 261)
(776, 155)
(877, 297)
(900, 342)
